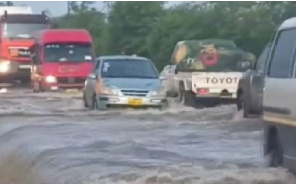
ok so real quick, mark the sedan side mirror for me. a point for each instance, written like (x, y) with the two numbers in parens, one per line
(92, 76)
(246, 65)
(162, 78)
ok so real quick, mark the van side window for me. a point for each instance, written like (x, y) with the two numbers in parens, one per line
(281, 59)
(260, 65)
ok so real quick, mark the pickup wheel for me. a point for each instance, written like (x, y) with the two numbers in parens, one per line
(246, 110)
(239, 102)
(189, 99)
(164, 106)
(180, 98)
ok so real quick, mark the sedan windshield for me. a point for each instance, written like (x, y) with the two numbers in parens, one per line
(76, 52)
(25, 31)
(128, 68)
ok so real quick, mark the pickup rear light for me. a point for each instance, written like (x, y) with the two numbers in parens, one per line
(202, 90)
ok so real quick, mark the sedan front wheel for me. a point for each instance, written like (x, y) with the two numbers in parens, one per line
(84, 101)
(97, 105)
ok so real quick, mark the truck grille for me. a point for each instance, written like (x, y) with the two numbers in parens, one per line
(135, 92)
(70, 80)
(20, 52)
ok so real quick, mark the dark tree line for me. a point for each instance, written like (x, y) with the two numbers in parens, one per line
(152, 30)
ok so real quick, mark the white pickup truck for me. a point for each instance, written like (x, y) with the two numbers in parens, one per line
(204, 72)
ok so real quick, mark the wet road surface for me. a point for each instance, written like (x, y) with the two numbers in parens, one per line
(50, 138)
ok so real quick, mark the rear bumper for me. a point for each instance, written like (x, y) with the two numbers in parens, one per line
(217, 95)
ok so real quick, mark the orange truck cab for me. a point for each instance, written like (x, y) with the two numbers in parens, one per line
(17, 28)
(61, 58)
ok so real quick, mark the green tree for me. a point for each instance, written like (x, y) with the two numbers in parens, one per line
(183, 22)
(7, 3)
(152, 30)
(129, 25)
(85, 17)
(249, 24)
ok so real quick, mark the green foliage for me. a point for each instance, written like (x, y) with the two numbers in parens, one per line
(6, 3)
(130, 24)
(149, 29)
(84, 17)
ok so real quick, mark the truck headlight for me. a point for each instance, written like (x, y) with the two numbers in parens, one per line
(158, 93)
(50, 79)
(4, 66)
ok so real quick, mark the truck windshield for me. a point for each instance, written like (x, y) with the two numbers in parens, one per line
(211, 57)
(21, 31)
(128, 68)
(75, 52)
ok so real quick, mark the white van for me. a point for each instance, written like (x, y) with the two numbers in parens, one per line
(279, 99)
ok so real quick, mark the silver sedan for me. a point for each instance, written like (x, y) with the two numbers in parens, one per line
(127, 81)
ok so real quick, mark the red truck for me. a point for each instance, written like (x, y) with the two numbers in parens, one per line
(61, 58)
(17, 28)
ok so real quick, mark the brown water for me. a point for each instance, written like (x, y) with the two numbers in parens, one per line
(51, 138)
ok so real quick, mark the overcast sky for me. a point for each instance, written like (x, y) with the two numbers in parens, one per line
(56, 8)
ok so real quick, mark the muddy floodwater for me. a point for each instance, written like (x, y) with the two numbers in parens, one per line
(50, 138)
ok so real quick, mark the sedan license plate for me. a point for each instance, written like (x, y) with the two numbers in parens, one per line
(135, 102)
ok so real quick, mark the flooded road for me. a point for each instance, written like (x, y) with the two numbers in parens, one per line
(50, 138)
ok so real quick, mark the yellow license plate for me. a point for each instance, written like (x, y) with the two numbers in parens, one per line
(135, 102)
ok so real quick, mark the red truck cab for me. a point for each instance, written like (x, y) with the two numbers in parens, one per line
(61, 58)
(16, 38)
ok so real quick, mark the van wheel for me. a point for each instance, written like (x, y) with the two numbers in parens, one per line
(275, 155)
(189, 99)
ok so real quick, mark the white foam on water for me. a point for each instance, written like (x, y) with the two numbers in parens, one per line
(3, 90)
(178, 145)
(202, 176)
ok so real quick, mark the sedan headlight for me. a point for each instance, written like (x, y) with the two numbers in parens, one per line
(158, 93)
(105, 90)
(4, 66)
